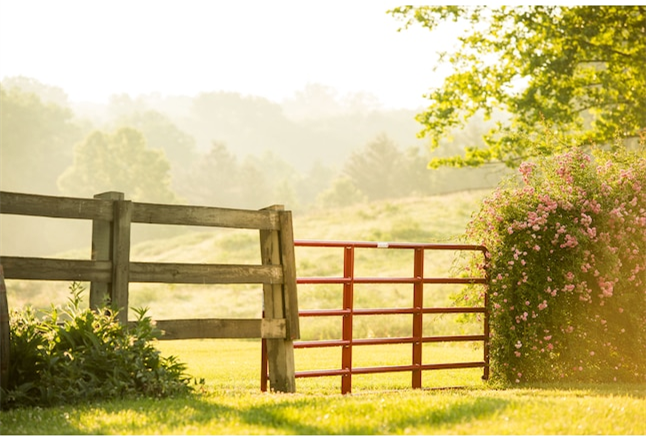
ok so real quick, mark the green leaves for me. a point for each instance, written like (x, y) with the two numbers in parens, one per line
(567, 268)
(36, 136)
(119, 161)
(76, 354)
(579, 69)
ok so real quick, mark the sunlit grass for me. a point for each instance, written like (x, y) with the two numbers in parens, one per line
(519, 411)
(231, 403)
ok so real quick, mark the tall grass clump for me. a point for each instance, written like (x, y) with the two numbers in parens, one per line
(71, 354)
(567, 244)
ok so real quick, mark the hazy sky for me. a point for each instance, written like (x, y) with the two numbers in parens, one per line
(95, 48)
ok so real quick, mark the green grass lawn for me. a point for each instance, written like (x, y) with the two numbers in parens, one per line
(231, 403)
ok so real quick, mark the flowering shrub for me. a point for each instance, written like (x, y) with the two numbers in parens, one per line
(567, 262)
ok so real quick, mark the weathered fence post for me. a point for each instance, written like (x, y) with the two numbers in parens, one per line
(110, 271)
(111, 241)
(4, 333)
(280, 301)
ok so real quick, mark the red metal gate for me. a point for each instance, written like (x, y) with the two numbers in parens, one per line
(348, 312)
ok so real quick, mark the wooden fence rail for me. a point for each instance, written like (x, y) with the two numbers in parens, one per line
(110, 270)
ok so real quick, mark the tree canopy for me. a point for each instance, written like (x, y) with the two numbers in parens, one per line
(119, 161)
(578, 70)
(35, 138)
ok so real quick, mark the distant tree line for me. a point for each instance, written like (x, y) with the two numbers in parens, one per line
(219, 149)
(205, 150)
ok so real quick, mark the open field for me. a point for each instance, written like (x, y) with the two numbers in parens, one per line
(418, 219)
(231, 403)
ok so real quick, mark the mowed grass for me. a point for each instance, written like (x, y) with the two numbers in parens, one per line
(230, 402)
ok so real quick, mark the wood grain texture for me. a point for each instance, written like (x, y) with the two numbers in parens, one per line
(207, 274)
(288, 262)
(121, 258)
(220, 328)
(102, 242)
(34, 268)
(204, 216)
(110, 271)
(55, 207)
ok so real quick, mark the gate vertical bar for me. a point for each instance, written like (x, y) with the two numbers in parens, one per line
(263, 362)
(348, 304)
(418, 324)
(485, 374)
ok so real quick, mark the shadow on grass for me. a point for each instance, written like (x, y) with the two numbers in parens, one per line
(247, 413)
(366, 417)
(282, 414)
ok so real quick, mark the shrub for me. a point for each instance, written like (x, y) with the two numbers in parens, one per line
(567, 261)
(75, 354)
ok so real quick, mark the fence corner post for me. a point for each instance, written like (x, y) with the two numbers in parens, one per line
(280, 302)
(111, 242)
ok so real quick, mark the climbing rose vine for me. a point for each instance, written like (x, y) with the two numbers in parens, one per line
(567, 262)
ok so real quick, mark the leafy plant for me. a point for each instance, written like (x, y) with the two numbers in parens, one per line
(568, 269)
(74, 354)
(580, 67)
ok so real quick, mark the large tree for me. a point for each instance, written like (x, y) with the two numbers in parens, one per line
(579, 70)
(119, 161)
(162, 134)
(381, 169)
(36, 141)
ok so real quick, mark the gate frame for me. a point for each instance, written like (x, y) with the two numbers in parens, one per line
(418, 310)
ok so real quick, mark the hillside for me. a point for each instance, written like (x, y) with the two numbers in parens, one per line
(419, 219)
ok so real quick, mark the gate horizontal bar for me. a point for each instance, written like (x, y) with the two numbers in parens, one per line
(418, 280)
(390, 311)
(391, 280)
(383, 369)
(322, 373)
(321, 344)
(395, 245)
(387, 341)
(427, 367)
(324, 312)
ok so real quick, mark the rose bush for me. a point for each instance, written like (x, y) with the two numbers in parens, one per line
(567, 262)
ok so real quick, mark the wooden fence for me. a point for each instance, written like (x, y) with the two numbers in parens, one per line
(110, 270)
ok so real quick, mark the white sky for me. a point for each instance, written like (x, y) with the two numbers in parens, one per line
(95, 48)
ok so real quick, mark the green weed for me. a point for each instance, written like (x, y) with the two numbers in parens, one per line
(70, 354)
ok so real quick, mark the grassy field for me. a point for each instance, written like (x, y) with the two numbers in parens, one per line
(230, 401)
(428, 219)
